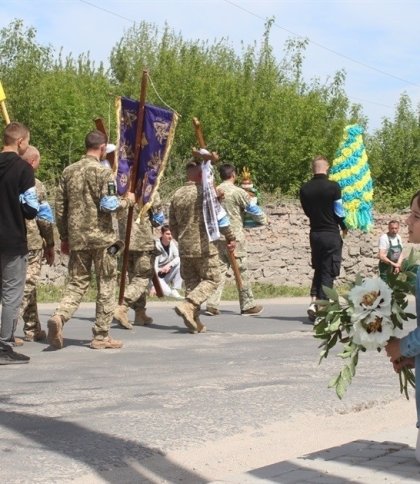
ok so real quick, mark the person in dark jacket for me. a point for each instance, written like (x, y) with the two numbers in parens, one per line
(321, 202)
(18, 200)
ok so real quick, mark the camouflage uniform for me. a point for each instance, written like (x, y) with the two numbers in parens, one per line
(40, 236)
(235, 201)
(199, 257)
(141, 255)
(89, 232)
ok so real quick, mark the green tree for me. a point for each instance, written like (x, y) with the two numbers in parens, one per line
(395, 157)
(257, 110)
(56, 98)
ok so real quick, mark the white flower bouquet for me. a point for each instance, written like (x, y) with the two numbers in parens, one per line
(365, 318)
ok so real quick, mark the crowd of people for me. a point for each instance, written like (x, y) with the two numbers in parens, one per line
(188, 253)
(86, 208)
(184, 256)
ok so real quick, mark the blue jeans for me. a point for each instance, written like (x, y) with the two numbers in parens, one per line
(13, 276)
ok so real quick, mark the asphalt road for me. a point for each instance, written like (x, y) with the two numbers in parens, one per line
(77, 412)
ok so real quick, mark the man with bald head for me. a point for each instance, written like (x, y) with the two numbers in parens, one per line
(40, 236)
(321, 202)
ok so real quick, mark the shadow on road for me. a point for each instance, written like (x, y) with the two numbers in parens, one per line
(173, 328)
(70, 342)
(357, 461)
(113, 458)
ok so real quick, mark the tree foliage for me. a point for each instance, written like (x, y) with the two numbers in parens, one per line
(56, 98)
(256, 111)
(256, 108)
(395, 156)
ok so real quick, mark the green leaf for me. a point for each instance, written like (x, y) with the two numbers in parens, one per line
(333, 340)
(344, 355)
(358, 280)
(353, 364)
(341, 388)
(333, 382)
(346, 374)
(323, 303)
(335, 325)
(331, 293)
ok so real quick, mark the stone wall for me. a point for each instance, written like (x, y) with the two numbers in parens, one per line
(280, 254)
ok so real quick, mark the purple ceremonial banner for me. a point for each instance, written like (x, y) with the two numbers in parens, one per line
(157, 138)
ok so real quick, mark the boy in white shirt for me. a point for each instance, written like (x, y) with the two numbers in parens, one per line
(167, 264)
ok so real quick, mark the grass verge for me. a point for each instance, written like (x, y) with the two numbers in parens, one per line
(48, 293)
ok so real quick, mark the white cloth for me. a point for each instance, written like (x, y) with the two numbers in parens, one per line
(384, 241)
(213, 211)
(110, 148)
(106, 163)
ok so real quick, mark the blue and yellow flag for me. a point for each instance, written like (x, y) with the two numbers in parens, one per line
(157, 138)
(350, 169)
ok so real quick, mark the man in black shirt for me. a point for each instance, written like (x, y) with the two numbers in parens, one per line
(321, 202)
(18, 201)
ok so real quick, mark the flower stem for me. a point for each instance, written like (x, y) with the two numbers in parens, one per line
(406, 377)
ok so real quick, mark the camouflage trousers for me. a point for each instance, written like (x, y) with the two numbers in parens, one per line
(246, 297)
(201, 277)
(29, 307)
(139, 271)
(80, 269)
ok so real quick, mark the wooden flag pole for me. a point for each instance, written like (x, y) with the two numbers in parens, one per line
(133, 181)
(3, 105)
(214, 157)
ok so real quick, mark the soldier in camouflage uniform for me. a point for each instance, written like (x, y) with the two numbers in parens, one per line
(40, 235)
(237, 203)
(199, 257)
(141, 259)
(84, 204)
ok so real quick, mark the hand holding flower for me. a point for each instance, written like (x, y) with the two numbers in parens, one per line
(393, 349)
(402, 363)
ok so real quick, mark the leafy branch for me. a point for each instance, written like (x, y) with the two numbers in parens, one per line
(344, 378)
(334, 323)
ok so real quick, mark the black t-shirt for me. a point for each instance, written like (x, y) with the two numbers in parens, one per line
(317, 197)
(166, 247)
(16, 176)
